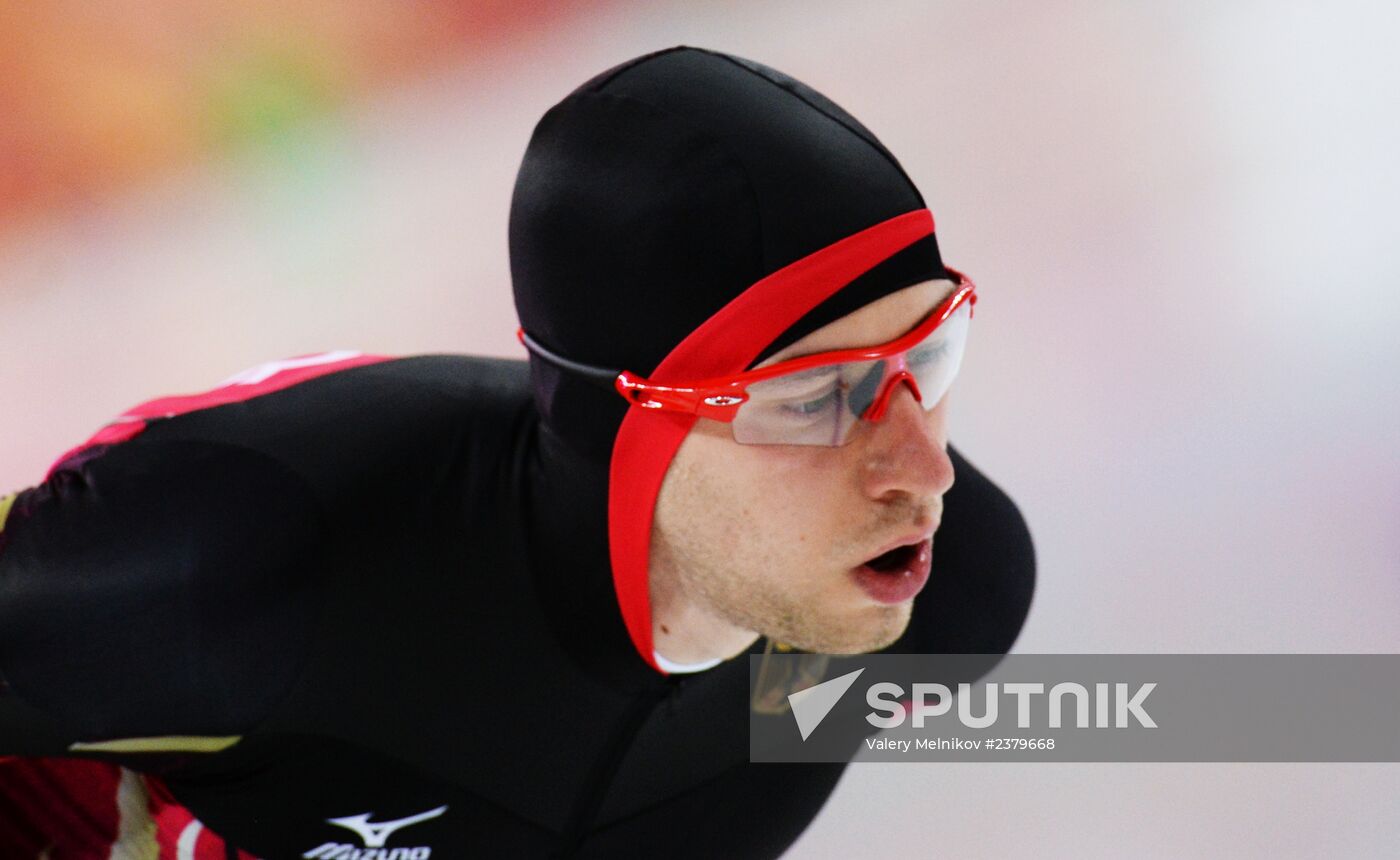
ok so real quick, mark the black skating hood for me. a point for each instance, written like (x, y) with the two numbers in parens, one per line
(682, 216)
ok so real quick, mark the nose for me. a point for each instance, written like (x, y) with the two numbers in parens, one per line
(906, 453)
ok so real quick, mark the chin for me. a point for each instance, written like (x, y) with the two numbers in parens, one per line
(877, 630)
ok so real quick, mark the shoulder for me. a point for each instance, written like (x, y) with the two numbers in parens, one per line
(156, 581)
(338, 420)
(151, 590)
(323, 391)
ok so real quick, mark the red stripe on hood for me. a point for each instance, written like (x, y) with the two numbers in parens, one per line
(726, 343)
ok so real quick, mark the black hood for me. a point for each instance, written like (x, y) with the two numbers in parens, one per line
(659, 191)
(686, 213)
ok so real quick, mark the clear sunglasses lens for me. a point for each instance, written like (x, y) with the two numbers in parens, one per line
(822, 406)
(806, 408)
(867, 388)
(934, 363)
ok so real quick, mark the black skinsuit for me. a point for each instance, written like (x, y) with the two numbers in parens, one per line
(390, 581)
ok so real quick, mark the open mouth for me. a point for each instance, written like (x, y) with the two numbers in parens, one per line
(897, 575)
(896, 559)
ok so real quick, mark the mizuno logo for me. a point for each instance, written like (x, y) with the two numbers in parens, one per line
(346, 851)
(375, 835)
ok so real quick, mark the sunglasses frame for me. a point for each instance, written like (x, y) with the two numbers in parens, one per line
(719, 399)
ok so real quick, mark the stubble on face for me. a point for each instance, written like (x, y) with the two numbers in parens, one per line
(750, 540)
(764, 574)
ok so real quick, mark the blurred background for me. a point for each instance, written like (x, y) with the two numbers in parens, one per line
(1182, 217)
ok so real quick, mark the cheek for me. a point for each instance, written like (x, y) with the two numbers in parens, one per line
(768, 500)
(807, 489)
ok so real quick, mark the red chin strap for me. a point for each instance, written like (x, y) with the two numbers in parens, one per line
(724, 344)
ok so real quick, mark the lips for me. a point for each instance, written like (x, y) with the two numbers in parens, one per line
(897, 574)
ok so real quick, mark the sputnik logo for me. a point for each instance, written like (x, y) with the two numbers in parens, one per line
(810, 706)
(375, 835)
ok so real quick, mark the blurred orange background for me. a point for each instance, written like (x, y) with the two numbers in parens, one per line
(1181, 218)
(98, 96)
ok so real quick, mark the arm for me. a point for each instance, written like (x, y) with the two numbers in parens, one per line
(145, 593)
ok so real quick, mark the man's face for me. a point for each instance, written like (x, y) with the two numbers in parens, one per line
(772, 539)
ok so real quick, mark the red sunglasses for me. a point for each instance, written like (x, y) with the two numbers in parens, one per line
(815, 399)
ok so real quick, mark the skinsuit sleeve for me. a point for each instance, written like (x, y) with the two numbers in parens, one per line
(146, 592)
